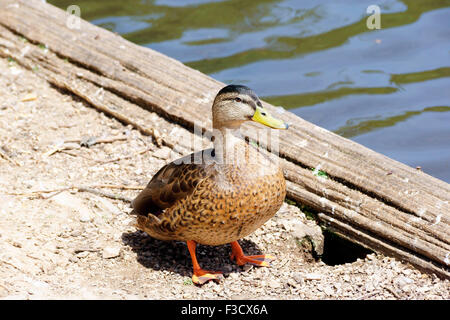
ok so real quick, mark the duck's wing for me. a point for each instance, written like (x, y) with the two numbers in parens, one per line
(173, 182)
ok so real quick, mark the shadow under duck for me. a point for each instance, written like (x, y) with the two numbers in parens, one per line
(219, 195)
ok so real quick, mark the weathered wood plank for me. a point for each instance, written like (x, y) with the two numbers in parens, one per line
(405, 214)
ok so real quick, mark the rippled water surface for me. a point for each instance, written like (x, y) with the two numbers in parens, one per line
(387, 89)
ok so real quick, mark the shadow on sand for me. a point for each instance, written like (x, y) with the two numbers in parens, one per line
(174, 256)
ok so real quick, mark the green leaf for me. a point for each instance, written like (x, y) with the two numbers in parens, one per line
(11, 62)
(319, 173)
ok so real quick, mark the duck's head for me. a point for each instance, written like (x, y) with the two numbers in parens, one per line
(235, 104)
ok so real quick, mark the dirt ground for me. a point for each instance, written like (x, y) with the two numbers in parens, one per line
(78, 245)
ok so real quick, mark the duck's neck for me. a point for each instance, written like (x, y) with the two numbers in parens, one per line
(229, 145)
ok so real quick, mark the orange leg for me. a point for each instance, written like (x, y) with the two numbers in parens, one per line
(201, 276)
(241, 259)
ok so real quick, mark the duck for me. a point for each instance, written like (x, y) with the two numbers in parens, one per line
(218, 195)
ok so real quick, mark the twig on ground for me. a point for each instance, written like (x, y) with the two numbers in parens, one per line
(70, 146)
(10, 264)
(7, 158)
(85, 142)
(76, 155)
(105, 194)
(93, 141)
(32, 193)
(90, 189)
(110, 186)
(53, 194)
(391, 291)
(126, 157)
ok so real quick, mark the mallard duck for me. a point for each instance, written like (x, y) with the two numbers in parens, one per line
(219, 195)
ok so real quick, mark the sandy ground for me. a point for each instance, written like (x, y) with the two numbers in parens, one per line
(77, 245)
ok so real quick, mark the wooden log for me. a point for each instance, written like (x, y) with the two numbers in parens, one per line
(405, 213)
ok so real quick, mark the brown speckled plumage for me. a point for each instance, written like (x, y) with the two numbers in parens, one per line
(211, 203)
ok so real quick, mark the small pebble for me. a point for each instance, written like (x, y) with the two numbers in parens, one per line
(313, 276)
(111, 252)
(17, 244)
(82, 254)
(85, 216)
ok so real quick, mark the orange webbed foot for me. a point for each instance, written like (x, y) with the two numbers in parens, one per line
(263, 260)
(201, 276)
(237, 254)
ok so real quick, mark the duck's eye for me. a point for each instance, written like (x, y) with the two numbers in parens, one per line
(263, 113)
(238, 99)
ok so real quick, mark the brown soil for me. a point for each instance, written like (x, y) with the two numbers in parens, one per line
(76, 244)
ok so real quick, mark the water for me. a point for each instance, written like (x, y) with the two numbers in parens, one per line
(387, 89)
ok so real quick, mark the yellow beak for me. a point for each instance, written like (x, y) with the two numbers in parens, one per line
(262, 116)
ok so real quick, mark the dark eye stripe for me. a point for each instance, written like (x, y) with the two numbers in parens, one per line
(251, 103)
(229, 98)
